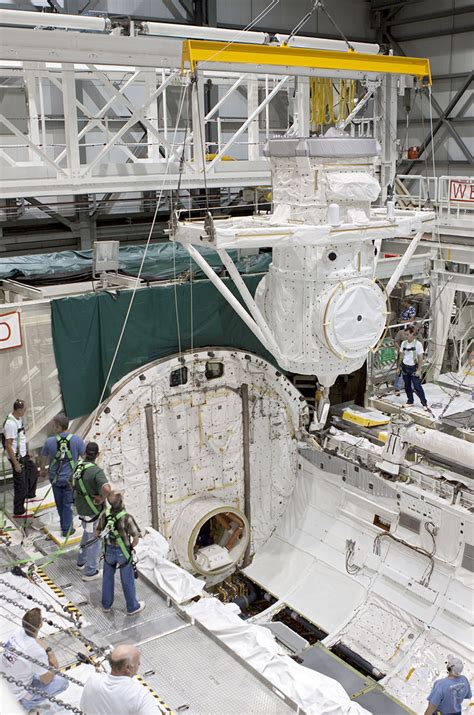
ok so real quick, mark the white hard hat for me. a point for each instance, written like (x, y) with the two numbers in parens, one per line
(455, 665)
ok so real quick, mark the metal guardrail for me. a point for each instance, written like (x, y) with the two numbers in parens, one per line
(452, 196)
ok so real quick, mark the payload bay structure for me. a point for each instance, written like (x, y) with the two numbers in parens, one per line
(351, 577)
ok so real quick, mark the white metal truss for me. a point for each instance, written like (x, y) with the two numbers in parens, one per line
(101, 111)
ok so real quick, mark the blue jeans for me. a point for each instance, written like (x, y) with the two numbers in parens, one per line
(412, 383)
(89, 555)
(114, 559)
(56, 686)
(63, 498)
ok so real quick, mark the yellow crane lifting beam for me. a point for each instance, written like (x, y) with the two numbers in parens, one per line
(301, 58)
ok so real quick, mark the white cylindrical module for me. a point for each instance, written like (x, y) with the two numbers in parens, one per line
(391, 210)
(52, 19)
(214, 558)
(458, 451)
(334, 215)
(197, 32)
(324, 43)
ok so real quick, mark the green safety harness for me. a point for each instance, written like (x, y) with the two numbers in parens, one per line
(77, 478)
(63, 452)
(112, 531)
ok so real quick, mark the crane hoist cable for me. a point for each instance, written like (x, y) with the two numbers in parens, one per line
(317, 5)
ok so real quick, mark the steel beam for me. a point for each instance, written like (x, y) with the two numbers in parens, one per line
(444, 116)
(88, 48)
(50, 212)
(431, 16)
(249, 120)
(452, 130)
(459, 281)
(436, 33)
(24, 138)
(71, 131)
(450, 75)
(392, 4)
(302, 106)
(196, 52)
(136, 117)
(244, 393)
(252, 110)
(149, 123)
(145, 178)
(31, 104)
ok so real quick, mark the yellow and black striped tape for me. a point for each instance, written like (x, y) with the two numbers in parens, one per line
(87, 647)
(164, 706)
(55, 589)
(73, 609)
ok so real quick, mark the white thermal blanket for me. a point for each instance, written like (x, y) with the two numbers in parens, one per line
(178, 584)
(352, 186)
(315, 693)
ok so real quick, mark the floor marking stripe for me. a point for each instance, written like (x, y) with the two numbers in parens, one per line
(69, 605)
(73, 609)
(155, 694)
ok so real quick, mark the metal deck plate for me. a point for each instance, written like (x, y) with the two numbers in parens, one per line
(187, 666)
(378, 702)
(320, 659)
(191, 669)
(67, 577)
(66, 647)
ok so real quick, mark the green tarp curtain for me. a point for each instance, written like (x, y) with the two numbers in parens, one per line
(162, 262)
(86, 330)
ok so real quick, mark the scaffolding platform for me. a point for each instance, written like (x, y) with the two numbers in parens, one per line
(444, 403)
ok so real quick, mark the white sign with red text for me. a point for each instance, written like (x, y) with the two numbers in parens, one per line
(461, 190)
(10, 330)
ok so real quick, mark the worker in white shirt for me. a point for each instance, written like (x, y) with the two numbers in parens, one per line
(410, 360)
(118, 691)
(25, 472)
(25, 640)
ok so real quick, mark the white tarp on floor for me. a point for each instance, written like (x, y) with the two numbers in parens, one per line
(440, 401)
(315, 693)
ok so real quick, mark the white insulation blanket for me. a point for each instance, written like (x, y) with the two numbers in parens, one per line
(355, 186)
(179, 585)
(315, 693)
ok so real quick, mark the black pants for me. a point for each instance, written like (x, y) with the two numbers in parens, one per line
(24, 484)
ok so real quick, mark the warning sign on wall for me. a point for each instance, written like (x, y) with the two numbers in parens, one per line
(461, 190)
(10, 330)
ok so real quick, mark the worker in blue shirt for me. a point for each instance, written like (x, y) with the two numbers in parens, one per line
(408, 311)
(448, 693)
(62, 452)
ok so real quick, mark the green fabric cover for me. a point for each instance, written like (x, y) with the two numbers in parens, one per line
(162, 262)
(86, 330)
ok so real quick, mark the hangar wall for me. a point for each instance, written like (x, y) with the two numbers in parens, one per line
(440, 30)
